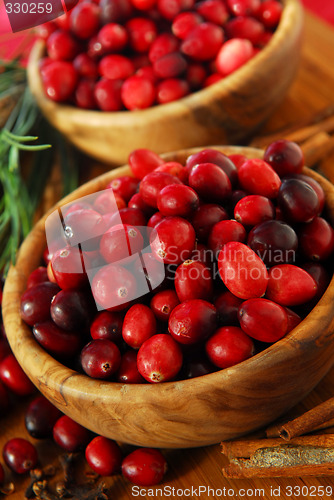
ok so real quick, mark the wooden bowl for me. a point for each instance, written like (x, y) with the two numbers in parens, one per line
(225, 113)
(186, 413)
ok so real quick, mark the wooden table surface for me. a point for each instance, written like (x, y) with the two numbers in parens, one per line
(312, 91)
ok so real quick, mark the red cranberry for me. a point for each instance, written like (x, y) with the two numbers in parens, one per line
(36, 301)
(104, 456)
(153, 183)
(285, 157)
(184, 23)
(67, 268)
(155, 219)
(70, 435)
(114, 287)
(211, 79)
(162, 45)
(85, 66)
(107, 325)
(71, 309)
(263, 319)
(115, 10)
(20, 455)
(108, 94)
(172, 89)
(59, 79)
(113, 37)
(128, 371)
(174, 168)
(138, 203)
(243, 7)
(144, 467)
(85, 227)
(254, 209)
(38, 276)
(107, 202)
(116, 67)
(131, 217)
(62, 46)
(193, 280)
(213, 10)
(242, 271)
(290, 285)
(178, 200)
(216, 157)
(119, 242)
(192, 321)
(233, 54)
(169, 9)
(173, 240)
(203, 42)
(139, 325)
(238, 160)
(210, 182)
(56, 341)
(142, 33)
(138, 93)
(85, 20)
(317, 239)
(244, 28)
(298, 201)
(228, 346)
(143, 162)
(100, 358)
(315, 185)
(227, 305)
(159, 358)
(196, 75)
(258, 177)
(163, 303)
(293, 319)
(144, 4)
(43, 31)
(223, 232)
(40, 418)
(84, 94)
(269, 13)
(170, 66)
(205, 217)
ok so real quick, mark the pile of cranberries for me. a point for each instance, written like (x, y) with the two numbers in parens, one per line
(183, 269)
(133, 54)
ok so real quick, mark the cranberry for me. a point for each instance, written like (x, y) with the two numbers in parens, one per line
(320, 274)
(85, 66)
(172, 89)
(144, 467)
(293, 319)
(258, 177)
(131, 217)
(68, 270)
(59, 79)
(113, 37)
(116, 67)
(228, 346)
(274, 241)
(104, 456)
(254, 209)
(138, 93)
(216, 157)
(210, 182)
(128, 371)
(108, 94)
(290, 285)
(107, 202)
(243, 7)
(62, 46)
(238, 160)
(196, 75)
(71, 309)
(227, 305)
(36, 301)
(56, 341)
(155, 219)
(178, 200)
(144, 4)
(233, 54)
(142, 33)
(163, 303)
(115, 10)
(298, 201)
(173, 240)
(269, 13)
(100, 358)
(147, 72)
(184, 23)
(196, 365)
(193, 280)
(162, 45)
(40, 418)
(143, 162)
(82, 223)
(317, 239)
(213, 10)
(153, 183)
(139, 325)
(169, 9)
(203, 42)
(223, 232)
(84, 94)
(170, 65)
(85, 20)
(107, 325)
(211, 79)
(286, 157)
(263, 319)
(114, 287)
(119, 242)
(159, 358)
(242, 271)
(94, 49)
(315, 185)
(20, 455)
(192, 321)
(38, 276)
(43, 31)
(70, 435)
(244, 28)
(206, 217)
(136, 201)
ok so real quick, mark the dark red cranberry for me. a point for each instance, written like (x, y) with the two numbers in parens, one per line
(316, 239)
(128, 371)
(263, 319)
(285, 157)
(12, 375)
(84, 94)
(216, 157)
(36, 302)
(40, 417)
(114, 11)
(56, 341)
(38, 276)
(196, 75)
(159, 358)
(59, 79)
(71, 309)
(144, 467)
(100, 358)
(193, 280)
(152, 184)
(178, 199)
(227, 306)
(173, 240)
(192, 321)
(104, 456)
(170, 65)
(20, 455)
(315, 185)
(228, 346)
(70, 435)
(205, 217)
(107, 325)
(162, 304)
(85, 20)
(298, 201)
(196, 365)
(85, 66)
(143, 162)
(210, 182)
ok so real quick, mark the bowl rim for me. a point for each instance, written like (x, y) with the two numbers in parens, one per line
(11, 304)
(292, 11)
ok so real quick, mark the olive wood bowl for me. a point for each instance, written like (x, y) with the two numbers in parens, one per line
(186, 413)
(227, 112)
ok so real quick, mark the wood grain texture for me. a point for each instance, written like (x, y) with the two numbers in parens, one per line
(180, 414)
(226, 113)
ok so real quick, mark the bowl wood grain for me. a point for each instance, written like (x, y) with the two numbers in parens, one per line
(188, 413)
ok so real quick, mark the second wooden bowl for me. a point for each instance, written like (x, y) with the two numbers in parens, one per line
(227, 112)
(186, 413)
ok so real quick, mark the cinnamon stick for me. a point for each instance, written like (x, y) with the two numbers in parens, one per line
(316, 148)
(274, 430)
(308, 421)
(246, 448)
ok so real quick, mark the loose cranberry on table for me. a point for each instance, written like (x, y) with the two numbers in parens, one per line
(104, 456)
(13, 377)
(20, 455)
(144, 467)
(40, 417)
(70, 435)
